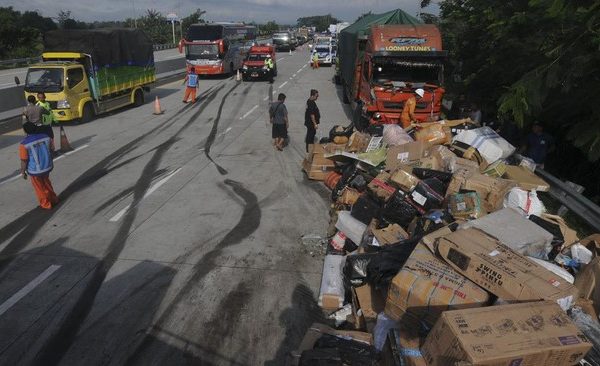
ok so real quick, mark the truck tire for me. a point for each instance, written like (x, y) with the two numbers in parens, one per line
(345, 95)
(138, 98)
(87, 114)
(275, 71)
(231, 70)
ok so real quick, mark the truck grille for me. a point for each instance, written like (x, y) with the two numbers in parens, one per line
(393, 105)
(53, 104)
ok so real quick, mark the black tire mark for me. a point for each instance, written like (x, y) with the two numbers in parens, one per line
(213, 132)
(247, 224)
(55, 348)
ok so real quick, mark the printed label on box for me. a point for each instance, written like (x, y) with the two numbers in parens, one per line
(419, 198)
(403, 157)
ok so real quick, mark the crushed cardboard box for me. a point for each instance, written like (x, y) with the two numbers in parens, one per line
(367, 302)
(502, 271)
(527, 334)
(405, 154)
(391, 234)
(426, 286)
(526, 179)
(380, 186)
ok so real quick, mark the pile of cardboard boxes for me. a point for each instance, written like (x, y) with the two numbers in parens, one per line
(434, 259)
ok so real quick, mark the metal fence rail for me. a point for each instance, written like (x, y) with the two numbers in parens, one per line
(587, 210)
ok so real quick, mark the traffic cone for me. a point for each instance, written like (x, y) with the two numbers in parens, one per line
(157, 109)
(237, 76)
(64, 142)
(290, 51)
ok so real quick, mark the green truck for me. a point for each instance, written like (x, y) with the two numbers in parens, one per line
(88, 72)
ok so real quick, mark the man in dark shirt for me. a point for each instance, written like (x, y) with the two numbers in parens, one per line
(279, 119)
(312, 118)
(538, 144)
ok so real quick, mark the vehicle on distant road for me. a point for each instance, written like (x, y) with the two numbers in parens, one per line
(216, 48)
(254, 64)
(82, 75)
(283, 41)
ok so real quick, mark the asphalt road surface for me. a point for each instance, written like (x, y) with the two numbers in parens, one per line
(7, 77)
(178, 237)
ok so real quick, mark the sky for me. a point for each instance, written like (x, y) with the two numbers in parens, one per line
(281, 11)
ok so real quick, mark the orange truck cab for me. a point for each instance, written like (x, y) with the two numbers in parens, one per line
(254, 65)
(398, 60)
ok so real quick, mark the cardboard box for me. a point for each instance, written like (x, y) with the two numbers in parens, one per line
(526, 179)
(465, 205)
(325, 148)
(496, 169)
(316, 172)
(587, 282)
(366, 304)
(317, 330)
(435, 134)
(358, 142)
(380, 186)
(405, 154)
(402, 347)
(404, 180)
(527, 334)
(349, 196)
(426, 287)
(390, 234)
(502, 271)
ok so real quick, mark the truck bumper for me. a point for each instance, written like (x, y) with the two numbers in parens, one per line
(65, 115)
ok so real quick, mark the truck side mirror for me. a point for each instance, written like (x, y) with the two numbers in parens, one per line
(17, 81)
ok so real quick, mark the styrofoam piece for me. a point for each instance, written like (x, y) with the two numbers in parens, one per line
(554, 269)
(332, 282)
(515, 231)
(350, 226)
(489, 144)
(581, 254)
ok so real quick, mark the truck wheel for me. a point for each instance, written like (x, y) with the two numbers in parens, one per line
(345, 95)
(88, 113)
(232, 71)
(138, 98)
(275, 72)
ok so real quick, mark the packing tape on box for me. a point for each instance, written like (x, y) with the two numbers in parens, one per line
(410, 352)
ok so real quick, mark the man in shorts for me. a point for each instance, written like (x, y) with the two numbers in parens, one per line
(279, 120)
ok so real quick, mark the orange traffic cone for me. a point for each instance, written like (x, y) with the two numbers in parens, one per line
(64, 142)
(157, 109)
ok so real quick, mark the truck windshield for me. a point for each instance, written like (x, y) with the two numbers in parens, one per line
(256, 57)
(283, 36)
(387, 71)
(202, 51)
(44, 80)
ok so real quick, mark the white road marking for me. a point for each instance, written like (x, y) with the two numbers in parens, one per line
(280, 59)
(293, 76)
(300, 69)
(55, 159)
(7, 84)
(250, 111)
(304, 66)
(77, 149)
(265, 98)
(226, 131)
(281, 86)
(156, 186)
(28, 288)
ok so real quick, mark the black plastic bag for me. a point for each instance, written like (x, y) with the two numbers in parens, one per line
(375, 130)
(355, 269)
(365, 209)
(430, 222)
(558, 239)
(359, 183)
(387, 263)
(352, 353)
(348, 173)
(321, 357)
(427, 195)
(423, 173)
(397, 210)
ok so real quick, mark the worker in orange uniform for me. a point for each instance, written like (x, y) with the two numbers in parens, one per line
(408, 112)
(191, 83)
(35, 152)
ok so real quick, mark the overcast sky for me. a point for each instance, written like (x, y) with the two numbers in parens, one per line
(282, 11)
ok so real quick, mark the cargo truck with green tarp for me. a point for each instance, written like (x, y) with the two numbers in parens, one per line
(383, 59)
(88, 72)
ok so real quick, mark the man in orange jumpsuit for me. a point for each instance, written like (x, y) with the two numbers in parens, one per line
(191, 84)
(408, 112)
(35, 152)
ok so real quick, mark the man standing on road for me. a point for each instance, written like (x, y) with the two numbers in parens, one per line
(191, 83)
(269, 66)
(408, 112)
(35, 152)
(47, 119)
(315, 60)
(279, 119)
(312, 118)
(33, 113)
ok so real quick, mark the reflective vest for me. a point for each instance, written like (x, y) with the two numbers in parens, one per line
(47, 119)
(192, 80)
(269, 63)
(40, 157)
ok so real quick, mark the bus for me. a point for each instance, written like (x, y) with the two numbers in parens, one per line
(216, 48)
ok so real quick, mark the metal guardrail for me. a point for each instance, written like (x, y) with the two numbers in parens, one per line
(167, 46)
(587, 210)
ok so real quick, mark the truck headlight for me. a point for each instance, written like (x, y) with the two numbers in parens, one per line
(244, 67)
(63, 104)
(377, 116)
(265, 68)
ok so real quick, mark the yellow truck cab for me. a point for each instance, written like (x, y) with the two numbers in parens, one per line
(78, 87)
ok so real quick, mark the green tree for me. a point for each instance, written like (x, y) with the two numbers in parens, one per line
(269, 27)
(194, 18)
(534, 60)
(155, 25)
(321, 22)
(20, 37)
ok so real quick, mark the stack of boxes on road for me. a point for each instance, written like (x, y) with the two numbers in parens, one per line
(440, 252)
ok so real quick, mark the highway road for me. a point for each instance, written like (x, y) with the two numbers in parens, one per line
(178, 237)
(7, 77)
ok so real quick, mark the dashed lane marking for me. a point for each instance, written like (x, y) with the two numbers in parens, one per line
(282, 85)
(156, 186)
(77, 149)
(28, 288)
(250, 111)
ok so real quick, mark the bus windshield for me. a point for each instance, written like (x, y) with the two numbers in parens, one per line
(44, 80)
(202, 51)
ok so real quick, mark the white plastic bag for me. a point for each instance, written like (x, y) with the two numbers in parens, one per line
(350, 226)
(526, 202)
(332, 282)
(581, 254)
(394, 135)
(489, 144)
